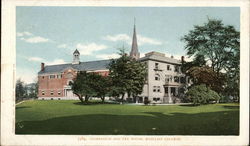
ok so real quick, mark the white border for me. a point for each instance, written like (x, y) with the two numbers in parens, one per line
(8, 136)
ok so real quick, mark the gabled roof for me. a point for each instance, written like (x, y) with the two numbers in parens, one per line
(82, 66)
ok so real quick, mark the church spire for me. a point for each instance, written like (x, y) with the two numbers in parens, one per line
(134, 53)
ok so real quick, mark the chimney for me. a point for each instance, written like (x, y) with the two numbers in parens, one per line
(182, 59)
(42, 66)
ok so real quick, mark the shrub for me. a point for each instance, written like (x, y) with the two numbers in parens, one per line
(201, 94)
(146, 102)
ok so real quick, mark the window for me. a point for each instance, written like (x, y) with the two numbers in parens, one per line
(156, 99)
(168, 78)
(69, 82)
(176, 79)
(52, 76)
(59, 76)
(156, 65)
(183, 80)
(43, 77)
(176, 68)
(156, 89)
(51, 92)
(59, 93)
(168, 67)
(43, 93)
(157, 77)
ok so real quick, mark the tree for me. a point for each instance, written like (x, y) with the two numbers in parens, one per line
(100, 85)
(201, 94)
(136, 73)
(205, 75)
(127, 76)
(20, 90)
(219, 44)
(32, 90)
(198, 61)
(82, 86)
(90, 85)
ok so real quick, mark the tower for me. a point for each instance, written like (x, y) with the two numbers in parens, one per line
(134, 53)
(76, 57)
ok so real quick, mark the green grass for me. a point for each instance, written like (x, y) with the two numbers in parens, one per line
(70, 117)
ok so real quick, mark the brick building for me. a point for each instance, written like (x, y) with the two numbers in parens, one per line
(54, 80)
(164, 82)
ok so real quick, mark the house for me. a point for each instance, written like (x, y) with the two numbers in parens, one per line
(164, 83)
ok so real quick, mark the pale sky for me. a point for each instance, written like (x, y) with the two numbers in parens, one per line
(51, 34)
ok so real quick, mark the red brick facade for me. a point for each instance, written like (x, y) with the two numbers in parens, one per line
(57, 84)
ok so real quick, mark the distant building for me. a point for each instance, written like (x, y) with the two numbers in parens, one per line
(164, 83)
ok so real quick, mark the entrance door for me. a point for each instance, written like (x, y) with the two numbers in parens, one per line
(173, 91)
(69, 93)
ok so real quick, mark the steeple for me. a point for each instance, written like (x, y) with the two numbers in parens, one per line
(134, 53)
(76, 57)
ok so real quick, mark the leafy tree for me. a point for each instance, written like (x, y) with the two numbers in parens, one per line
(100, 85)
(136, 74)
(127, 76)
(201, 94)
(82, 86)
(205, 75)
(20, 90)
(198, 61)
(90, 85)
(32, 90)
(219, 44)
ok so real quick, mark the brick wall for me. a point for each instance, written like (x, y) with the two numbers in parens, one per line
(48, 85)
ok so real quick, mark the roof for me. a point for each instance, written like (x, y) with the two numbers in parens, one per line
(156, 57)
(82, 66)
(76, 51)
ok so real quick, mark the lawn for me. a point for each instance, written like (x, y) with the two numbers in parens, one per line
(70, 117)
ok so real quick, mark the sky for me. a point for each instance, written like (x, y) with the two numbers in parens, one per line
(51, 34)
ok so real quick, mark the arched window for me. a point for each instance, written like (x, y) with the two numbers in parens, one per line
(157, 77)
(69, 75)
(69, 81)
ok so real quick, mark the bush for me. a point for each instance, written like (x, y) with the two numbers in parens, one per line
(201, 94)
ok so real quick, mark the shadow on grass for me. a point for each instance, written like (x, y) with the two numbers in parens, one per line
(189, 105)
(94, 103)
(231, 107)
(21, 107)
(149, 123)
